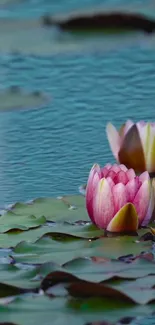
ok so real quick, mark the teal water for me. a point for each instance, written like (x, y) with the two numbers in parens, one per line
(49, 151)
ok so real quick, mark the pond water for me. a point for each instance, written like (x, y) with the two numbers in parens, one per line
(48, 151)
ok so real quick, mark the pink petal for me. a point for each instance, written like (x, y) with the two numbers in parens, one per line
(106, 169)
(108, 166)
(144, 177)
(110, 181)
(93, 179)
(123, 167)
(116, 168)
(130, 174)
(114, 139)
(103, 205)
(121, 177)
(142, 123)
(142, 200)
(150, 209)
(132, 188)
(111, 174)
(120, 196)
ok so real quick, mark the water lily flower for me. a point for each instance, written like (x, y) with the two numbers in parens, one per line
(117, 200)
(133, 145)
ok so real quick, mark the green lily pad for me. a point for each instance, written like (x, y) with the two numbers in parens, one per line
(88, 270)
(47, 249)
(120, 246)
(23, 222)
(35, 310)
(55, 248)
(12, 238)
(64, 209)
(59, 251)
(13, 277)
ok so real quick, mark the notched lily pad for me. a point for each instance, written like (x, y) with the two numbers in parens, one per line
(63, 310)
(84, 269)
(69, 208)
(126, 291)
(16, 98)
(15, 280)
(116, 247)
(47, 249)
(11, 221)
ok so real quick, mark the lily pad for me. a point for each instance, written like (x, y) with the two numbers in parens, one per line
(16, 98)
(59, 251)
(13, 277)
(88, 270)
(35, 310)
(23, 222)
(46, 250)
(62, 209)
(32, 37)
(103, 22)
(119, 246)
(14, 237)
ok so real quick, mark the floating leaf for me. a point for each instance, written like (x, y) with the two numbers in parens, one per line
(15, 280)
(64, 209)
(102, 22)
(86, 269)
(68, 256)
(130, 291)
(47, 249)
(31, 36)
(23, 222)
(36, 310)
(15, 98)
(119, 246)
(12, 238)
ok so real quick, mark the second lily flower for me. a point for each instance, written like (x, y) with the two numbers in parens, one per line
(134, 145)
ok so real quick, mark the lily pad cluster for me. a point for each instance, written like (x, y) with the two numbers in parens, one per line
(56, 266)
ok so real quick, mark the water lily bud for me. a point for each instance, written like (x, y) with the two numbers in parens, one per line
(133, 145)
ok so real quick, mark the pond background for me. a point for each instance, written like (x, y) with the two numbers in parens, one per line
(48, 151)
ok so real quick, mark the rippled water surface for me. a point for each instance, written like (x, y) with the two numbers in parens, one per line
(48, 151)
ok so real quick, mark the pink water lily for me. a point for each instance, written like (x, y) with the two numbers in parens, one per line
(117, 199)
(134, 145)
